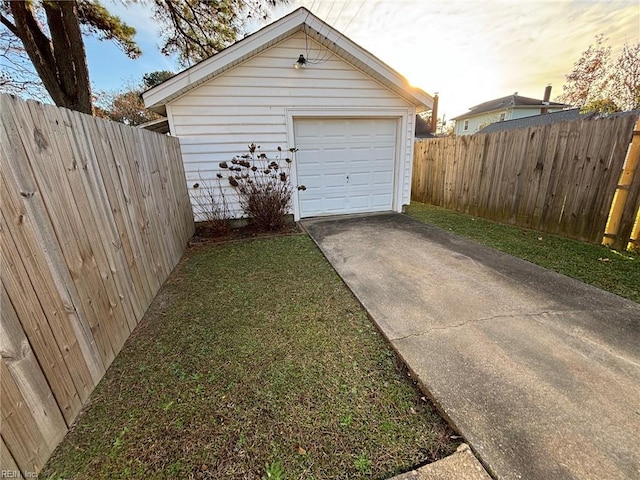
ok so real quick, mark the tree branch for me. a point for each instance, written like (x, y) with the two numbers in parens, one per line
(73, 35)
(38, 48)
(177, 17)
(7, 23)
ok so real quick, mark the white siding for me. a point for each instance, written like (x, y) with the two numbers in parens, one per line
(522, 113)
(249, 104)
(480, 121)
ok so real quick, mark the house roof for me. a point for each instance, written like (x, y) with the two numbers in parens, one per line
(423, 129)
(509, 101)
(301, 19)
(549, 118)
(161, 125)
(535, 120)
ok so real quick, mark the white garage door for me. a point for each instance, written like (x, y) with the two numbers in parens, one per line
(347, 165)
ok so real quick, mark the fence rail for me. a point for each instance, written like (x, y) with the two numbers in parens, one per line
(558, 178)
(95, 215)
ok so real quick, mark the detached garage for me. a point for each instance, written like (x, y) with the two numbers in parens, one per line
(300, 83)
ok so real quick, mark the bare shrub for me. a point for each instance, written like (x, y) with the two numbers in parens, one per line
(263, 186)
(210, 205)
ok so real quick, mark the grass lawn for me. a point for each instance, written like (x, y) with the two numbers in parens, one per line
(616, 272)
(254, 361)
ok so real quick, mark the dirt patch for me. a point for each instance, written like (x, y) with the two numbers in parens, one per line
(205, 235)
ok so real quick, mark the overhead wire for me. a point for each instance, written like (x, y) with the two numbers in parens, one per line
(326, 54)
(354, 16)
(318, 60)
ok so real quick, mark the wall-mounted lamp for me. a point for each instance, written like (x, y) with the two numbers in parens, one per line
(300, 63)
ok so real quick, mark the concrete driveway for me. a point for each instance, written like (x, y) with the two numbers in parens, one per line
(540, 373)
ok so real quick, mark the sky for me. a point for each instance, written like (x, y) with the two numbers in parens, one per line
(467, 51)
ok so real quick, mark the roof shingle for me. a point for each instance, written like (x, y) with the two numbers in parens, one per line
(507, 102)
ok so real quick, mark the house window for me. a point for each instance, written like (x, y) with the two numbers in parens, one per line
(465, 127)
(502, 117)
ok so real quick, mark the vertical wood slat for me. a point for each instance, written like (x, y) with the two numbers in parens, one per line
(20, 363)
(34, 275)
(557, 178)
(114, 262)
(7, 461)
(94, 217)
(19, 427)
(49, 164)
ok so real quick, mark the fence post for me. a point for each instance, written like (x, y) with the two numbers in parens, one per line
(622, 215)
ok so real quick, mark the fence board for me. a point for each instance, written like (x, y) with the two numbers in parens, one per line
(95, 215)
(46, 157)
(557, 178)
(115, 197)
(19, 428)
(33, 267)
(22, 365)
(112, 259)
(81, 176)
(7, 461)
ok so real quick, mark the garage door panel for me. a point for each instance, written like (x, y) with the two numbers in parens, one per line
(381, 201)
(311, 205)
(360, 179)
(383, 152)
(334, 204)
(311, 182)
(347, 165)
(359, 202)
(381, 178)
(337, 180)
(335, 163)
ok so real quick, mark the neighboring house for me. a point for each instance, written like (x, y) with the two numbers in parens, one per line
(351, 116)
(537, 120)
(502, 109)
(551, 118)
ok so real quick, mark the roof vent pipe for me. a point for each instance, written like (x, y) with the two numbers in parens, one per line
(545, 100)
(434, 115)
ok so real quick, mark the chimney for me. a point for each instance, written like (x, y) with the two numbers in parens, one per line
(434, 115)
(545, 100)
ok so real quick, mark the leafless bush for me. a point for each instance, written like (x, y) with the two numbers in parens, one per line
(210, 205)
(263, 186)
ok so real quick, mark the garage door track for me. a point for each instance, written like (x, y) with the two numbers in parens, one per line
(539, 372)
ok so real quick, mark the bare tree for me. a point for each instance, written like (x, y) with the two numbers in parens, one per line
(597, 83)
(590, 76)
(56, 49)
(17, 75)
(625, 84)
(126, 105)
(51, 36)
(197, 29)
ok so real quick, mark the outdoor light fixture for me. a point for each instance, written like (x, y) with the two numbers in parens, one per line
(300, 63)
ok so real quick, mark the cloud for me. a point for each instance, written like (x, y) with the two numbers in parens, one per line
(472, 51)
(466, 50)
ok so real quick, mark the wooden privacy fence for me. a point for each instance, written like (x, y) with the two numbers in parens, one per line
(559, 178)
(95, 215)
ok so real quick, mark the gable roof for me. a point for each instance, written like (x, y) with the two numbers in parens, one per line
(548, 119)
(161, 125)
(301, 19)
(509, 101)
(535, 120)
